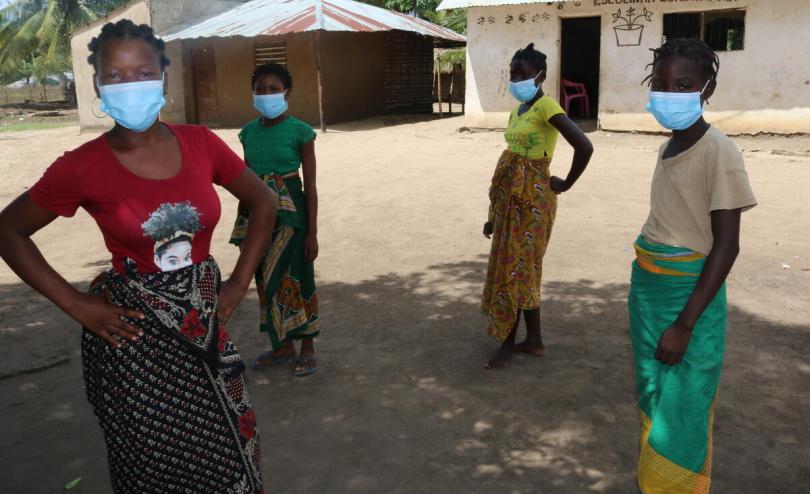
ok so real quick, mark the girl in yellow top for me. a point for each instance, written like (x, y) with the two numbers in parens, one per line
(523, 204)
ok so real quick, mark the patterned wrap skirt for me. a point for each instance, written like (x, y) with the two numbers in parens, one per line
(676, 403)
(288, 298)
(522, 211)
(173, 406)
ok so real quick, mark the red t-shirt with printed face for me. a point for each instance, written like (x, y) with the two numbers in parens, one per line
(162, 225)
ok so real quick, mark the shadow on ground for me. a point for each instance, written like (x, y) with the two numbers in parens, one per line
(379, 122)
(401, 403)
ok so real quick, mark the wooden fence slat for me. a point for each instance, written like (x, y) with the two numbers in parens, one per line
(17, 95)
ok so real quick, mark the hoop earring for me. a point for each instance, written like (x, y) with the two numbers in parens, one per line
(93, 109)
(171, 100)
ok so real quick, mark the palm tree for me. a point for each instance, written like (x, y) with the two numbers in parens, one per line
(426, 9)
(445, 60)
(42, 28)
(455, 19)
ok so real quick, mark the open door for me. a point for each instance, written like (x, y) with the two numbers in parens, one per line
(579, 66)
(204, 67)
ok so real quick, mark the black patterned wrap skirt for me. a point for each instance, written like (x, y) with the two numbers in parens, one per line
(173, 406)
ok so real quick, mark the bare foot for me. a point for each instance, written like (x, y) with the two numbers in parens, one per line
(526, 347)
(307, 349)
(498, 362)
(307, 363)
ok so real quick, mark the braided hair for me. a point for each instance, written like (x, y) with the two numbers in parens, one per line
(536, 59)
(126, 29)
(694, 49)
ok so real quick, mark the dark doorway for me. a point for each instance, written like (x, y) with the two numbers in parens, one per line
(579, 65)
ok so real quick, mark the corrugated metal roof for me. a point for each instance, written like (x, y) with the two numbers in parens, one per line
(277, 17)
(463, 4)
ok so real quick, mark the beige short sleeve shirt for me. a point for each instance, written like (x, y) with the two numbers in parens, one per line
(686, 188)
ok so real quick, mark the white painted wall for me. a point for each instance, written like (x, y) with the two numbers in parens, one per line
(763, 88)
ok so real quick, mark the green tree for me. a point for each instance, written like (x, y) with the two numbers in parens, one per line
(455, 19)
(426, 9)
(39, 68)
(41, 28)
(446, 60)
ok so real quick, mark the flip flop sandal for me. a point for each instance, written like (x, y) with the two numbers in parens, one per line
(270, 360)
(306, 371)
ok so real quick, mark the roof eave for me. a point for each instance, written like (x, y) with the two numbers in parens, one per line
(464, 4)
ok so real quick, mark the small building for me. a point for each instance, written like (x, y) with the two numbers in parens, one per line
(349, 60)
(604, 45)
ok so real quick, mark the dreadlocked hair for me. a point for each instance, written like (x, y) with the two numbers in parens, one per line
(536, 59)
(698, 51)
(126, 29)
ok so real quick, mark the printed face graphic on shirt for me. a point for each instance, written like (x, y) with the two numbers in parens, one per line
(172, 227)
(175, 254)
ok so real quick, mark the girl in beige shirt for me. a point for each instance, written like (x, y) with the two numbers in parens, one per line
(685, 252)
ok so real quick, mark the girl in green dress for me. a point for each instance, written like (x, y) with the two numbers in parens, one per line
(276, 145)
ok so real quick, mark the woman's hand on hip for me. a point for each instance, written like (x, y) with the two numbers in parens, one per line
(558, 185)
(103, 319)
(311, 247)
(672, 344)
(231, 294)
(488, 229)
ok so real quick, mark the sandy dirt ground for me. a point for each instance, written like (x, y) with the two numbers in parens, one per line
(400, 403)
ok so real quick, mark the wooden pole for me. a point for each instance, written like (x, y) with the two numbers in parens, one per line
(320, 78)
(463, 73)
(441, 110)
(452, 88)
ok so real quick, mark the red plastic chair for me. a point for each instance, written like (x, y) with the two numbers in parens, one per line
(572, 91)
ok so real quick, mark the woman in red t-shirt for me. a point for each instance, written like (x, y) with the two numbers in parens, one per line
(161, 373)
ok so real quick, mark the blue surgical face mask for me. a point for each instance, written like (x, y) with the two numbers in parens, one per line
(270, 105)
(133, 105)
(524, 91)
(676, 111)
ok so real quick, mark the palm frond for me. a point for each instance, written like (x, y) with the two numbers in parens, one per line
(445, 61)
(42, 28)
(101, 7)
(48, 29)
(24, 39)
(455, 19)
(84, 15)
(21, 9)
